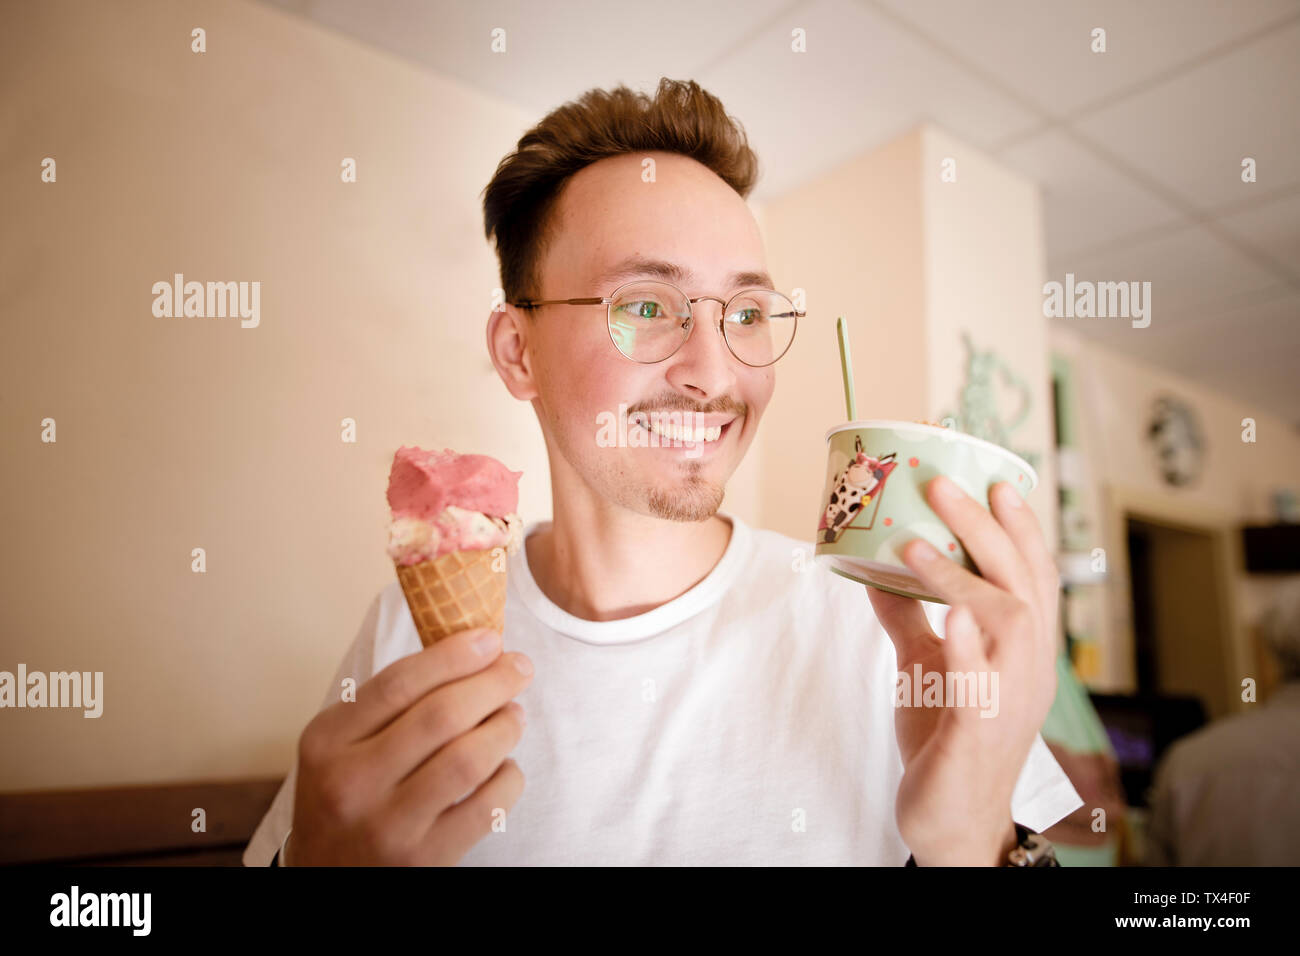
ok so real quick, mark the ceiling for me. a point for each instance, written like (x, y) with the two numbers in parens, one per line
(1138, 150)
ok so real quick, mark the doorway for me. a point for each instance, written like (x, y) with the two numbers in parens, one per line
(1180, 645)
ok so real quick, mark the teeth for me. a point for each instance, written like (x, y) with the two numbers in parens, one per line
(676, 432)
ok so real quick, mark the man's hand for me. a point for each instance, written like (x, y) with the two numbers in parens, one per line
(959, 768)
(379, 778)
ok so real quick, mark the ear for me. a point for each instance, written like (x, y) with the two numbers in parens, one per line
(507, 342)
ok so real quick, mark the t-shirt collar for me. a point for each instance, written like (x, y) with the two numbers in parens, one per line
(641, 626)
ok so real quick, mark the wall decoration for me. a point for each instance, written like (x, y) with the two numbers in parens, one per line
(991, 385)
(1177, 441)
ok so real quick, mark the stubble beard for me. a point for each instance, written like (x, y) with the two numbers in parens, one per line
(693, 499)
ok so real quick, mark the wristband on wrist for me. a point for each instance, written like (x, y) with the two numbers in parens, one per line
(1031, 849)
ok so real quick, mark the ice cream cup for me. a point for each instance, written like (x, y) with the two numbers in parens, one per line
(874, 499)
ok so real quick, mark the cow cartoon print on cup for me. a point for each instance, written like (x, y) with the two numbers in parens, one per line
(854, 489)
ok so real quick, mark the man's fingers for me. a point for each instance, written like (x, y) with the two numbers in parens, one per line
(399, 685)
(963, 653)
(946, 577)
(1000, 614)
(985, 540)
(1022, 526)
(441, 716)
(905, 622)
(456, 770)
(471, 820)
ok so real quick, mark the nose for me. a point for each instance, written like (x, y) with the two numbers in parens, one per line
(704, 367)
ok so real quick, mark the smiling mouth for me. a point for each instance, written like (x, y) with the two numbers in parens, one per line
(682, 432)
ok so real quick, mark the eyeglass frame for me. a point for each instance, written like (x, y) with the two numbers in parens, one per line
(610, 299)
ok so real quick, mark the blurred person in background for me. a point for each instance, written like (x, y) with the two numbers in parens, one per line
(1226, 795)
(1075, 734)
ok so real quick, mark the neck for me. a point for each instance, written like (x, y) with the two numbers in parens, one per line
(603, 562)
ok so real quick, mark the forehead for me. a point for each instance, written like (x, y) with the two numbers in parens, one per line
(686, 226)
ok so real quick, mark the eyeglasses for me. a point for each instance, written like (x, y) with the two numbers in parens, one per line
(650, 320)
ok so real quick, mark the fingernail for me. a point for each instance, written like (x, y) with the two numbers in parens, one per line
(945, 487)
(1011, 496)
(487, 642)
(522, 664)
(924, 551)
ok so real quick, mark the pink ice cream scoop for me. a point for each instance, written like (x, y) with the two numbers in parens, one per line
(443, 502)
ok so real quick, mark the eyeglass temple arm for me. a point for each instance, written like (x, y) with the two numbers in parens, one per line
(530, 303)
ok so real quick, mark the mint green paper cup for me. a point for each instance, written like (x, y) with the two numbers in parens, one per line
(874, 502)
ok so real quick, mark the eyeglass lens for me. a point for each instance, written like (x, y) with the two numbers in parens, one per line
(647, 322)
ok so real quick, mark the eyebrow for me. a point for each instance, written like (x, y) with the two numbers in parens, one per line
(634, 266)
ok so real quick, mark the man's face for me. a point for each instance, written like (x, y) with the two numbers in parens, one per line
(692, 219)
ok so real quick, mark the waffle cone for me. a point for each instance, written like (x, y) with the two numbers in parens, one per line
(454, 592)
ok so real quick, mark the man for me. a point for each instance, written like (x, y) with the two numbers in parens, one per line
(1226, 795)
(696, 698)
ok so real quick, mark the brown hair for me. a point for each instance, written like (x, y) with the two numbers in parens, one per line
(681, 118)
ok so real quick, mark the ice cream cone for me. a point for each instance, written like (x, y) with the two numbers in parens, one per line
(455, 592)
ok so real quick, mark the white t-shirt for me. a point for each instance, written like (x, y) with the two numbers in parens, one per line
(749, 721)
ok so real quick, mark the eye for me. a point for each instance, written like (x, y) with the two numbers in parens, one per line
(747, 317)
(646, 310)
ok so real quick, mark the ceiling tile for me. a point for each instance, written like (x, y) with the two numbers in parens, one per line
(1192, 273)
(863, 82)
(1247, 352)
(1251, 353)
(1086, 202)
(1043, 49)
(1189, 135)
(1273, 226)
(553, 52)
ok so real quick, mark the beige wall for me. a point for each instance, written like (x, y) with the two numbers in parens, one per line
(183, 433)
(1114, 396)
(852, 239)
(983, 267)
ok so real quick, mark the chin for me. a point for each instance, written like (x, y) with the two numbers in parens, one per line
(692, 500)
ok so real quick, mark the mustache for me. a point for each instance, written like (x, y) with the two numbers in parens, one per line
(680, 403)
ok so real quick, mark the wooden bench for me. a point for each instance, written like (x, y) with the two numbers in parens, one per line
(134, 826)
